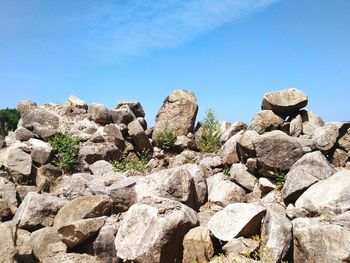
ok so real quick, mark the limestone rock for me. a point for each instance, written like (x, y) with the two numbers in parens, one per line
(78, 232)
(24, 246)
(23, 190)
(239, 174)
(41, 151)
(153, 230)
(320, 242)
(99, 113)
(198, 245)
(229, 149)
(112, 134)
(309, 169)
(277, 151)
(19, 161)
(222, 191)
(139, 137)
(23, 134)
(326, 136)
(82, 208)
(284, 102)
(330, 194)
(7, 242)
(266, 185)
(265, 121)
(236, 220)
(46, 243)
(47, 177)
(37, 210)
(179, 110)
(311, 121)
(135, 106)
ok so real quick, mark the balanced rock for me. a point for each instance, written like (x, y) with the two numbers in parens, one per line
(236, 220)
(153, 230)
(284, 102)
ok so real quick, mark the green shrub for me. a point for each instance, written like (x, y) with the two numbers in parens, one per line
(131, 162)
(166, 137)
(209, 140)
(10, 118)
(280, 180)
(66, 148)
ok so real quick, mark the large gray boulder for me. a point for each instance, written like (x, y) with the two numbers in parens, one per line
(326, 136)
(179, 111)
(276, 151)
(284, 102)
(37, 210)
(330, 194)
(153, 230)
(308, 170)
(315, 241)
(265, 121)
(236, 220)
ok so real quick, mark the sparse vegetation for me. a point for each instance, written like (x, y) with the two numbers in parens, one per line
(280, 180)
(166, 137)
(10, 117)
(226, 170)
(131, 162)
(66, 148)
(209, 140)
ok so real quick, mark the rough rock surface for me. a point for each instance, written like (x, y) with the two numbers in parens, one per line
(265, 121)
(239, 174)
(326, 136)
(311, 121)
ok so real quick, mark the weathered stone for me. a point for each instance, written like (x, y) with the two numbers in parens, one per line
(42, 117)
(8, 194)
(41, 152)
(245, 145)
(206, 212)
(311, 121)
(77, 102)
(265, 121)
(315, 241)
(222, 191)
(76, 185)
(135, 106)
(284, 102)
(46, 243)
(182, 143)
(78, 232)
(276, 237)
(99, 113)
(309, 169)
(24, 246)
(239, 174)
(45, 133)
(266, 185)
(123, 115)
(212, 162)
(232, 130)
(296, 126)
(143, 123)
(198, 245)
(82, 208)
(37, 210)
(5, 211)
(329, 194)
(92, 152)
(326, 136)
(7, 242)
(23, 134)
(179, 110)
(139, 137)
(229, 149)
(344, 141)
(153, 230)
(307, 142)
(46, 177)
(112, 134)
(339, 158)
(23, 190)
(236, 220)
(19, 161)
(101, 168)
(72, 258)
(277, 151)
(241, 246)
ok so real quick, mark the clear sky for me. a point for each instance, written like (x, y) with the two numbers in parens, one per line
(229, 52)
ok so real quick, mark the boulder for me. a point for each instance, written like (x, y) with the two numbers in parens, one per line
(326, 136)
(339, 157)
(266, 185)
(19, 161)
(232, 130)
(72, 258)
(76, 233)
(41, 152)
(37, 210)
(330, 194)
(296, 126)
(139, 137)
(344, 141)
(8, 195)
(179, 110)
(135, 106)
(236, 220)
(276, 151)
(228, 151)
(308, 170)
(23, 190)
(46, 243)
(75, 185)
(112, 134)
(23, 106)
(43, 132)
(77, 102)
(265, 121)
(47, 177)
(7, 242)
(83, 207)
(241, 247)
(92, 152)
(123, 115)
(245, 145)
(239, 174)
(284, 102)
(153, 231)
(198, 245)
(276, 237)
(222, 191)
(311, 121)
(23, 134)
(320, 242)
(101, 168)
(99, 113)
(42, 117)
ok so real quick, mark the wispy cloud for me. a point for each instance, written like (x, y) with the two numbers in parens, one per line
(137, 27)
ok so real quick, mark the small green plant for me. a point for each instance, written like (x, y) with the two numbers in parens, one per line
(280, 180)
(209, 140)
(10, 117)
(166, 137)
(131, 162)
(226, 170)
(66, 148)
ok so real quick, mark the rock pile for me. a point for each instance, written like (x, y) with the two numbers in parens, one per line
(278, 190)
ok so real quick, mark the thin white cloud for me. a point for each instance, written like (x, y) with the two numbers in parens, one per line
(137, 27)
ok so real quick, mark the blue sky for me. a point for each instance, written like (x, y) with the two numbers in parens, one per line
(229, 52)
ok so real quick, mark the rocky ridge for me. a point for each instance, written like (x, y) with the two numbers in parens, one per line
(276, 191)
